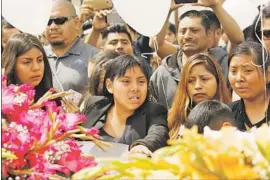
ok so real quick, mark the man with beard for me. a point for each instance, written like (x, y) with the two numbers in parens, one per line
(67, 53)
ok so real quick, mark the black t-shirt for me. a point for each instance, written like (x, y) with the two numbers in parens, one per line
(107, 137)
(242, 120)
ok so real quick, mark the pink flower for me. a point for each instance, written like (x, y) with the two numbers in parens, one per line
(32, 118)
(51, 90)
(37, 161)
(7, 164)
(16, 138)
(39, 176)
(41, 164)
(27, 89)
(8, 95)
(36, 121)
(27, 131)
(68, 121)
(19, 163)
(16, 98)
(5, 167)
(92, 131)
(53, 168)
(4, 80)
(52, 106)
(72, 158)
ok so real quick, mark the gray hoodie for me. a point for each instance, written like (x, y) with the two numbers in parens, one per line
(164, 81)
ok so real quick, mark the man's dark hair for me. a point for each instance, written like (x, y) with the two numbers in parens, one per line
(204, 18)
(214, 21)
(172, 28)
(115, 28)
(6, 25)
(118, 67)
(210, 113)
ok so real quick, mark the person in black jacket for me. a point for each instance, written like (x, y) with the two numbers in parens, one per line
(249, 75)
(124, 114)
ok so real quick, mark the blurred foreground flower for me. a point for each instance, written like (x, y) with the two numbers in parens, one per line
(38, 141)
(226, 154)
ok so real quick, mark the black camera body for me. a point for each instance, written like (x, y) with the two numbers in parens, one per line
(185, 1)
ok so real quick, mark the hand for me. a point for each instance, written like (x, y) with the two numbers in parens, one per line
(86, 11)
(141, 150)
(70, 106)
(209, 3)
(99, 22)
(155, 61)
(174, 6)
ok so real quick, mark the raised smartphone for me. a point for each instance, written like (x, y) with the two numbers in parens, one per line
(185, 1)
(99, 4)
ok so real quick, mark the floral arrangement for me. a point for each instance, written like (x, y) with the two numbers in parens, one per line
(38, 140)
(225, 154)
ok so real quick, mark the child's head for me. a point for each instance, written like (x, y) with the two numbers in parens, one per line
(210, 113)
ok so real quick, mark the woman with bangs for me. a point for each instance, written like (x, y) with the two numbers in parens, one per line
(124, 113)
(249, 76)
(201, 79)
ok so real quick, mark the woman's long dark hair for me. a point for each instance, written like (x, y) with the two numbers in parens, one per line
(99, 63)
(18, 45)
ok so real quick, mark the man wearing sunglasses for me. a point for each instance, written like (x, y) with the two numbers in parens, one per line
(260, 32)
(266, 26)
(67, 53)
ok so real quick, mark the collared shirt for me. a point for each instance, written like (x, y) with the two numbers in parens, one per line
(70, 70)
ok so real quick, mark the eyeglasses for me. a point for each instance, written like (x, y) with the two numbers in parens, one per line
(59, 21)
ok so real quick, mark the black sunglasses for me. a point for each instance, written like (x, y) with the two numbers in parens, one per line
(59, 21)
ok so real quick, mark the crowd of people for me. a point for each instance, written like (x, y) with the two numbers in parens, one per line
(142, 101)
